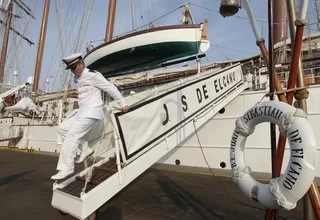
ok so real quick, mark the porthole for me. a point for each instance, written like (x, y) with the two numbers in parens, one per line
(223, 165)
(222, 110)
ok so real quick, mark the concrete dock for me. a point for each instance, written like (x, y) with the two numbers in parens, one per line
(26, 191)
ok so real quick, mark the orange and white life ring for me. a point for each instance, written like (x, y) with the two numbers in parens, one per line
(286, 190)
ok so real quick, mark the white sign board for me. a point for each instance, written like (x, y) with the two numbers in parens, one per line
(151, 121)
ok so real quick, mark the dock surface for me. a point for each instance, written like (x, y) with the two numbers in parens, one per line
(26, 192)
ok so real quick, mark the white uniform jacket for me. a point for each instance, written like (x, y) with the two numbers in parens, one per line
(89, 86)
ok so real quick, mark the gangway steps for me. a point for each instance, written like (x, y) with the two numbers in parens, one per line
(99, 174)
(200, 99)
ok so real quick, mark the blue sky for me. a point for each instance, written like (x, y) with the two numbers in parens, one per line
(231, 38)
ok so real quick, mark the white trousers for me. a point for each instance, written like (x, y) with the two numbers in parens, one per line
(63, 131)
(72, 131)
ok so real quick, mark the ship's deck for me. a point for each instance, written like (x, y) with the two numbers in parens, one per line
(26, 191)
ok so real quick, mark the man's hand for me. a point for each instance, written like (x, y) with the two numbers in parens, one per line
(125, 108)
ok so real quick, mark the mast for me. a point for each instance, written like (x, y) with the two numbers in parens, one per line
(280, 32)
(280, 27)
(318, 16)
(133, 15)
(297, 27)
(5, 40)
(42, 39)
(111, 18)
(273, 137)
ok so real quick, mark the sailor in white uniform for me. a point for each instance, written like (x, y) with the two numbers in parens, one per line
(89, 84)
(249, 79)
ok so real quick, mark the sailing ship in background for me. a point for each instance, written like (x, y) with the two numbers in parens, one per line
(209, 143)
(184, 40)
(18, 36)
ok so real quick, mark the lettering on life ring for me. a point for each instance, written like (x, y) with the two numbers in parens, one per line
(286, 190)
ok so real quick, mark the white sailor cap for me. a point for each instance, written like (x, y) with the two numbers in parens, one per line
(72, 60)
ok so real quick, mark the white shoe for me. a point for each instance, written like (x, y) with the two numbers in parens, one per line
(62, 174)
(84, 155)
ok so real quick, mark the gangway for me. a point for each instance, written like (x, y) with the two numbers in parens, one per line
(158, 120)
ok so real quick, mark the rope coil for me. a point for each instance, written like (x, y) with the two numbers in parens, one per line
(289, 119)
(301, 94)
(281, 201)
(240, 172)
(243, 129)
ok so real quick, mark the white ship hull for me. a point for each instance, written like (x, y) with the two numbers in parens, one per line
(209, 149)
(215, 138)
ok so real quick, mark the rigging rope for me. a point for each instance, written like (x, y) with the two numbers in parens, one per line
(67, 83)
(217, 11)
(65, 45)
(145, 25)
(224, 190)
(148, 11)
(11, 52)
(60, 27)
(155, 13)
(85, 26)
(54, 55)
(133, 14)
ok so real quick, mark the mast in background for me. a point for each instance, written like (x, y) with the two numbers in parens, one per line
(42, 39)
(111, 19)
(317, 11)
(280, 29)
(5, 40)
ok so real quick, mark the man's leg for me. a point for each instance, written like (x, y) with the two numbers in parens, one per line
(63, 130)
(83, 145)
(65, 126)
(69, 148)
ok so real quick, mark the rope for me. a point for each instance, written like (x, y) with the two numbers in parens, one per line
(11, 54)
(240, 172)
(87, 179)
(263, 97)
(243, 129)
(88, 175)
(301, 94)
(84, 26)
(145, 25)
(281, 201)
(224, 190)
(133, 14)
(289, 119)
(296, 90)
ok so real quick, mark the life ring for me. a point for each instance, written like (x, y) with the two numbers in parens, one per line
(286, 190)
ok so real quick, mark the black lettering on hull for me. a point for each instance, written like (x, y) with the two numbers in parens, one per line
(222, 82)
(167, 115)
(199, 95)
(184, 103)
